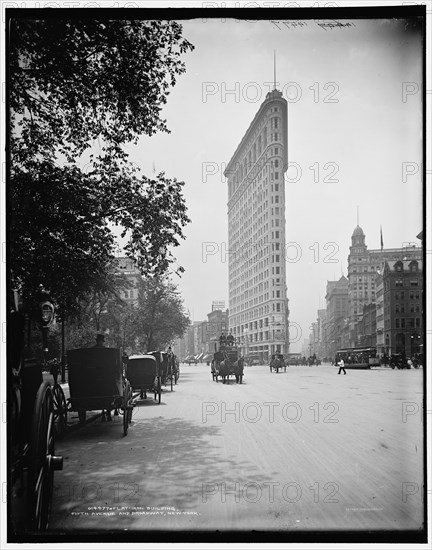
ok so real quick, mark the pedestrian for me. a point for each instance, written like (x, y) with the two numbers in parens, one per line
(341, 366)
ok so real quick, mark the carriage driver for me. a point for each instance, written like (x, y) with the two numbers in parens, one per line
(222, 339)
(100, 341)
(230, 339)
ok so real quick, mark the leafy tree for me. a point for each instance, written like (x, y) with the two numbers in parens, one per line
(73, 82)
(82, 90)
(160, 314)
(100, 310)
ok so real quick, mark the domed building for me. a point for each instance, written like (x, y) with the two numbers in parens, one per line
(363, 267)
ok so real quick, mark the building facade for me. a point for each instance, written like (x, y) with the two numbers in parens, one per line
(258, 302)
(403, 307)
(336, 315)
(363, 265)
(126, 266)
(217, 322)
(379, 286)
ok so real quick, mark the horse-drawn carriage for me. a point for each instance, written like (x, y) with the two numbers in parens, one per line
(97, 382)
(142, 373)
(277, 362)
(31, 437)
(168, 367)
(173, 369)
(227, 362)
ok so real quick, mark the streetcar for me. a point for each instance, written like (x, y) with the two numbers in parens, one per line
(358, 358)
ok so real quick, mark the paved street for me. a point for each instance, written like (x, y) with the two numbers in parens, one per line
(301, 450)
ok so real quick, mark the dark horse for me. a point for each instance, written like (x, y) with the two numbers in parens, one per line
(226, 368)
(238, 369)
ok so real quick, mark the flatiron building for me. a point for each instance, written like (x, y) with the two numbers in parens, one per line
(258, 303)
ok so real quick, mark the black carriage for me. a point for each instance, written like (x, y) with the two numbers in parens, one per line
(96, 382)
(31, 437)
(277, 363)
(142, 373)
(227, 362)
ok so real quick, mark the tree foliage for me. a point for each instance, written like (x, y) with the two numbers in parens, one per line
(85, 89)
(74, 81)
(160, 317)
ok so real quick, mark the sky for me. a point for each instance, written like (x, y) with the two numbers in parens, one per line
(354, 145)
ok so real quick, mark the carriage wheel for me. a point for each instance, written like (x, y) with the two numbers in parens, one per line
(43, 461)
(82, 416)
(60, 411)
(126, 404)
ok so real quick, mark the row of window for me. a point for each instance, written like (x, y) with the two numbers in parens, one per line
(407, 323)
(257, 178)
(249, 316)
(275, 307)
(402, 282)
(265, 336)
(256, 150)
(415, 295)
(412, 266)
(400, 308)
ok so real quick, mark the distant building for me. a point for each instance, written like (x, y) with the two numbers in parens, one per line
(305, 347)
(126, 266)
(336, 315)
(368, 336)
(321, 323)
(190, 341)
(217, 322)
(314, 340)
(379, 287)
(179, 348)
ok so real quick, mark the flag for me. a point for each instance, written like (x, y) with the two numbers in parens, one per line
(382, 244)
